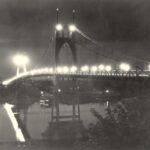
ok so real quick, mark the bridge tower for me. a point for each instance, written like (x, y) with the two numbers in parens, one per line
(65, 35)
(62, 126)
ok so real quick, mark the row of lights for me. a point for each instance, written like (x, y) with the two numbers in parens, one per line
(72, 27)
(22, 60)
(123, 67)
(65, 69)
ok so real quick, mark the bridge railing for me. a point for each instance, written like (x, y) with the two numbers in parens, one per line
(51, 71)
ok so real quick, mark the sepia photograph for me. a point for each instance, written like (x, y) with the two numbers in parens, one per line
(74, 75)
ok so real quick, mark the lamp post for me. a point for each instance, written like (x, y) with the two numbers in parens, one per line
(20, 61)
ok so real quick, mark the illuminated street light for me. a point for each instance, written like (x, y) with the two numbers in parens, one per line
(73, 69)
(65, 69)
(59, 27)
(51, 70)
(101, 67)
(108, 68)
(59, 69)
(72, 28)
(93, 68)
(85, 69)
(124, 67)
(20, 61)
(45, 70)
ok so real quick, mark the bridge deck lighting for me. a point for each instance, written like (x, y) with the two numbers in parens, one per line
(59, 27)
(108, 68)
(93, 68)
(73, 69)
(124, 67)
(45, 69)
(59, 69)
(65, 69)
(101, 67)
(72, 28)
(85, 68)
(51, 70)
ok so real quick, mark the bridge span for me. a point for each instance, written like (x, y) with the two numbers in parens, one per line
(50, 72)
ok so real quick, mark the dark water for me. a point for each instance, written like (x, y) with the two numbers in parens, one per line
(38, 119)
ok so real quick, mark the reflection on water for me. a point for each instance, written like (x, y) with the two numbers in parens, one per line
(38, 118)
(6, 130)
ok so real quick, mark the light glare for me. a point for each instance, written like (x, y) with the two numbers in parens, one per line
(59, 27)
(65, 69)
(20, 60)
(85, 68)
(108, 68)
(59, 69)
(101, 67)
(124, 67)
(72, 28)
(73, 69)
(93, 68)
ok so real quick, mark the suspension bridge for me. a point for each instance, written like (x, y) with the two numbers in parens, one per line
(68, 35)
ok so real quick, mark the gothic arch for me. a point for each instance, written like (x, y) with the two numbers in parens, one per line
(60, 41)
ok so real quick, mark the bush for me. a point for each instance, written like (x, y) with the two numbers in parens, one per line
(127, 124)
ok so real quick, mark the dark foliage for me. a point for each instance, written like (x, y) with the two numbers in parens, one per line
(22, 95)
(127, 124)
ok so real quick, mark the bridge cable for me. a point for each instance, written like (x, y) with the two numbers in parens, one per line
(101, 46)
(44, 54)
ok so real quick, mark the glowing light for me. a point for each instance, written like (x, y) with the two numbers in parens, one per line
(42, 92)
(72, 28)
(45, 69)
(32, 72)
(51, 70)
(59, 90)
(101, 67)
(65, 69)
(73, 69)
(124, 67)
(59, 69)
(20, 60)
(85, 68)
(107, 91)
(108, 68)
(93, 68)
(59, 27)
(19, 135)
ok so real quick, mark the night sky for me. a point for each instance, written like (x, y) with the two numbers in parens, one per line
(27, 26)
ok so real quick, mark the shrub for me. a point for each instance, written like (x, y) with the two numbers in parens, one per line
(127, 124)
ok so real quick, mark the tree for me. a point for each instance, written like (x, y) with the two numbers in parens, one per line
(127, 124)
